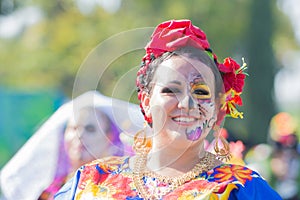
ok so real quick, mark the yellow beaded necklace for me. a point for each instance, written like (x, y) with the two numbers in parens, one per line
(205, 163)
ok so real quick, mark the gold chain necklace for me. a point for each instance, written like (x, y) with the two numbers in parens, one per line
(206, 163)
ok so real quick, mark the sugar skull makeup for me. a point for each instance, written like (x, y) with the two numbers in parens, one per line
(181, 102)
(202, 96)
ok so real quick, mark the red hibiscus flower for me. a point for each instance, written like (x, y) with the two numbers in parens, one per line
(233, 76)
(234, 81)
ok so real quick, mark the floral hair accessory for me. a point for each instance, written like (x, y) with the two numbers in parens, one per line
(233, 76)
(174, 34)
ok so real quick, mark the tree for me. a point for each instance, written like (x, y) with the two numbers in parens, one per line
(262, 64)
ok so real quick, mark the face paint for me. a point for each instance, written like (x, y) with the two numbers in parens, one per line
(200, 91)
(195, 134)
(201, 94)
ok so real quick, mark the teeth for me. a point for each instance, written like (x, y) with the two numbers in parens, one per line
(184, 119)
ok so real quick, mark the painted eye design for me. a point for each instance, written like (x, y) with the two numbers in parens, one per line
(200, 91)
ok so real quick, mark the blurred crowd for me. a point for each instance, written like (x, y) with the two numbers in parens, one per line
(278, 160)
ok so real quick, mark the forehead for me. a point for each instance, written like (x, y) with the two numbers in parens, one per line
(185, 69)
(88, 115)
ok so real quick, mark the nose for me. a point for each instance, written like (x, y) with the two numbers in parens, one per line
(80, 132)
(186, 103)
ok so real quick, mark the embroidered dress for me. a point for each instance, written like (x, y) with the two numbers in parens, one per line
(111, 178)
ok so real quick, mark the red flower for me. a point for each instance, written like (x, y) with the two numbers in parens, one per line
(229, 66)
(233, 76)
(235, 99)
(229, 106)
(234, 81)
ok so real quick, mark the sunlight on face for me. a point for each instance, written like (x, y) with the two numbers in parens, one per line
(182, 102)
(86, 138)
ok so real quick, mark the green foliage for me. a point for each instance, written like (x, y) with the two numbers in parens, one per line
(49, 54)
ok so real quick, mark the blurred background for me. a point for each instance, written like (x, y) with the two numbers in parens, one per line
(44, 43)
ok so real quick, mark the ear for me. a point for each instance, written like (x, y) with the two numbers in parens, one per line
(145, 100)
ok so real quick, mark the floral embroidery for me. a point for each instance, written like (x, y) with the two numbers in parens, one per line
(233, 172)
(114, 181)
(192, 189)
(224, 194)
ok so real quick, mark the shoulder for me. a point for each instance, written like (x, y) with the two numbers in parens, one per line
(92, 174)
(109, 161)
(244, 182)
(233, 172)
(106, 165)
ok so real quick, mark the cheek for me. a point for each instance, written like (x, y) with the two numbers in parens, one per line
(93, 138)
(70, 137)
(159, 115)
(208, 108)
(93, 146)
(160, 108)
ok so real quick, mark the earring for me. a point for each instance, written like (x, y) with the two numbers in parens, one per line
(222, 151)
(142, 145)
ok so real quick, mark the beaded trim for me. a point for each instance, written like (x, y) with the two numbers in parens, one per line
(140, 172)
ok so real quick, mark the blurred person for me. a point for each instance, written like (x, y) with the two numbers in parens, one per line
(258, 158)
(91, 136)
(78, 132)
(285, 157)
(184, 94)
(279, 160)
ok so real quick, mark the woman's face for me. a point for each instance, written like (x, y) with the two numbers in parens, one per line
(86, 139)
(182, 101)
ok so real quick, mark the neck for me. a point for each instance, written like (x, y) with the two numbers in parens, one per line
(175, 161)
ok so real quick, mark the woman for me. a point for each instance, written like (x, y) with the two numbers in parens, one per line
(80, 131)
(92, 135)
(180, 86)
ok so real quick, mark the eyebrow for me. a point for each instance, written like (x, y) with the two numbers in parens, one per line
(199, 78)
(175, 82)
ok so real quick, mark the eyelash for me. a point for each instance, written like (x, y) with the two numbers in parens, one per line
(201, 92)
(170, 90)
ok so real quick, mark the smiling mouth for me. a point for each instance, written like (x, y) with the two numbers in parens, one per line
(184, 119)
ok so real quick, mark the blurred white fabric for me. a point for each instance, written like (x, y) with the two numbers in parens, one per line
(33, 167)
